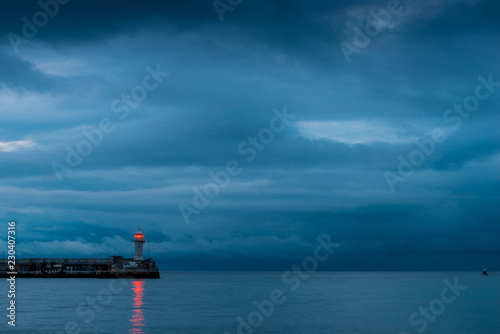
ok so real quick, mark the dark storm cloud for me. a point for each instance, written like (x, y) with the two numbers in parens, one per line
(22, 75)
(324, 173)
(298, 27)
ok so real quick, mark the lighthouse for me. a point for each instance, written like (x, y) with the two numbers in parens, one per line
(139, 243)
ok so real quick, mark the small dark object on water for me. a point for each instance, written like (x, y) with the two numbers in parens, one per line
(484, 273)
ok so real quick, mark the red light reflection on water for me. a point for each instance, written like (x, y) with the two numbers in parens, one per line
(137, 319)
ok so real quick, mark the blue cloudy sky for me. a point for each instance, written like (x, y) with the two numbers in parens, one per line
(375, 122)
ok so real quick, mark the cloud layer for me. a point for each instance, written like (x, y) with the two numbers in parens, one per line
(93, 140)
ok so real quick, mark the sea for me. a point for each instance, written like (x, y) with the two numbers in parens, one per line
(259, 302)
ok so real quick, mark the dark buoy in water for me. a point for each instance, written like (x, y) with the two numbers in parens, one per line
(484, 273)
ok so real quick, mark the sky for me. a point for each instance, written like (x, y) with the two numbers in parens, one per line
(237, 132)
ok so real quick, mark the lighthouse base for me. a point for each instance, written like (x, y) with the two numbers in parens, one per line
(129, 274)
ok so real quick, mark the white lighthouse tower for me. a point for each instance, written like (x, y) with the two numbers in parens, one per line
(139, 243)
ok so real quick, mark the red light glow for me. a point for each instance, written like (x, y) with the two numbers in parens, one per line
(137, 319)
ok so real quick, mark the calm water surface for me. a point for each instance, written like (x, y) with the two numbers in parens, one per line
(223, 302)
